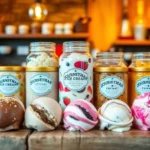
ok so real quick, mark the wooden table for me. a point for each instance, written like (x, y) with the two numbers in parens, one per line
(14, 140)
(65, 140)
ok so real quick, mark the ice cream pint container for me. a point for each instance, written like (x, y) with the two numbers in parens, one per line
(110, 78)
(41, 71)
(12, 82)
(41, 81)
(75, 73)
(139, 75)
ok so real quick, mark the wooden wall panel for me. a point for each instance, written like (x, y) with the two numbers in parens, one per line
(16, 11)
(105, 23)
(106, 20)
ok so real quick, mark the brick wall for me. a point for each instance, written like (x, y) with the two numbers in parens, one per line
(16, 11)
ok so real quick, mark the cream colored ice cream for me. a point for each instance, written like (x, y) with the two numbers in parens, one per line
(43, 114)
(41, 59)
(115, 115)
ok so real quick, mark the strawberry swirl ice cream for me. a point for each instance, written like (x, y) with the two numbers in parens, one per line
(75, 74)
(80, 115)
(141, 112)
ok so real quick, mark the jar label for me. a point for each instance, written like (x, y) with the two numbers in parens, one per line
(143, 85)
(41, 84)
(75, 79)
(9, 85)
(111, 87)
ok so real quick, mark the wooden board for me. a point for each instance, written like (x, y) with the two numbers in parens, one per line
(41, 36)
(14, 140)
(132, 42)
(93, 140)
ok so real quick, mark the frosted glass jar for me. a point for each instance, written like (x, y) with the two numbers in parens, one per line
(41, 81)
(42, 54)
(12, 82)
(75, 73)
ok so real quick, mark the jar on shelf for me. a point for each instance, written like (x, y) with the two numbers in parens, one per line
(47, 28)
(23, 29)
(110, 78)
(75, 73)
(41, 72)
(42, 54)
(12, 82)
(139, 75)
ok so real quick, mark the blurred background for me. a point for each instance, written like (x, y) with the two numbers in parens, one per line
(109, 25)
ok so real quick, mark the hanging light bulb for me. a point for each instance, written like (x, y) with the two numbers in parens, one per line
(38, 11)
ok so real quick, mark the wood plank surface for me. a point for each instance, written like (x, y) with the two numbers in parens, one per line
(93, 140)
(14, 140)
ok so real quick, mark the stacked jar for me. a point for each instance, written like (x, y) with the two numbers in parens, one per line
(75, 73)
(110, 78)
(41, 72)
(139, 75)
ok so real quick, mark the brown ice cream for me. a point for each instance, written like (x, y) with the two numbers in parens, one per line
(11, 113)
(42, 113)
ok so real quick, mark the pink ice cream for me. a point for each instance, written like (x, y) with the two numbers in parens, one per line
(80, 115)
(141, 112)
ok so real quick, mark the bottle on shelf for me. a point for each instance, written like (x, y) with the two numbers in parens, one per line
(126, 31)
(139, 26)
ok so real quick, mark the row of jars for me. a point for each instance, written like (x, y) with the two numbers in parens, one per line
(74, 73)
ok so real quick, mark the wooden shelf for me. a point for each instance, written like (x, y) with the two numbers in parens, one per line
(132, 42)
(61, 139)
(41, 36)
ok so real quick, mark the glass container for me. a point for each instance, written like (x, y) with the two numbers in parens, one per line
(139, 75)
(75, 73)
(110, 78)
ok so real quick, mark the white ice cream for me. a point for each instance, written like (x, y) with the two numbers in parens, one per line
(115, 115)
(33, 120)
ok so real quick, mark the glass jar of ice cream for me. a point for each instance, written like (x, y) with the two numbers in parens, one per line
(42, 54)
(139, 75)
(12, 82)
(75, 73)
(110, 78)
(41, 81)
(41, 71)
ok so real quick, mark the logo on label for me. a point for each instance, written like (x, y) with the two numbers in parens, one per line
(75, 79)
(41, 84)
(111, 87)
(9, 85)
(143, 85)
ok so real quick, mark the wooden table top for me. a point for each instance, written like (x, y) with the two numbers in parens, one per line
(64, 140)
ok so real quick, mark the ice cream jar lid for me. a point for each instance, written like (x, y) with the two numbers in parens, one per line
(41, 69)
(139, 69)
(12, 68)
(111, 69)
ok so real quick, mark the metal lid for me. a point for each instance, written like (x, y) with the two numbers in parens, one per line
(139, 69)
(42, 46)
(111, 69)
(41, 69)
(12, 68)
